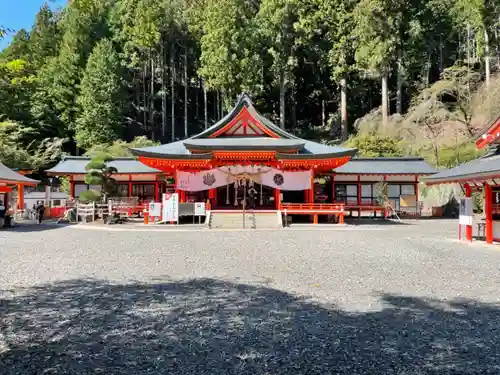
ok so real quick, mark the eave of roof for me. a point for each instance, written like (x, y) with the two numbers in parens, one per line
(386, 166)
(484, 168)
(76, 165)
(9, 176)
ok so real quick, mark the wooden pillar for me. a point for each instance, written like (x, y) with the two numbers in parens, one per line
(333, 188)
(468, 228)
(182, 196)
(359, 190)
(129, 185)
(212, 195)
(488, 213)
(71, 187)
(311, 190)
(277, 198)
(20, 196)
(157, 188)
(417, 209)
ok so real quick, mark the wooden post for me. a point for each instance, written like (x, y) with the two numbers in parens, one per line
(417, 209)
(488, 213)
(277, 198)
(468, 228)
(20, 197)
(71, 187)
(129, 185)
(212, 195)
(315, 218)
(157, 187)
(333, 188)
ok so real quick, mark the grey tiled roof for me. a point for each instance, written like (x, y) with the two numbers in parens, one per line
(483, 167)
(392, 165)
(76, 165)
(7, 174)
(308, 150)
(244, 143)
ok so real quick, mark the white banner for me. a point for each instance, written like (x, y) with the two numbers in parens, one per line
(285, 180)
(199, 181)
(213, 178)
(465, 217)
(199, 209)
(170, 207)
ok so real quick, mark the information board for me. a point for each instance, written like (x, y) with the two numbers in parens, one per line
(465, 217)
(199, 209)
(154, 209)
(170, 207)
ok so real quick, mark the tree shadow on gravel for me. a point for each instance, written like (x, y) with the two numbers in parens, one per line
(206, 326)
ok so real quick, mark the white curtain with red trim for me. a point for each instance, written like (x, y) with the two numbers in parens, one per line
(217, 177)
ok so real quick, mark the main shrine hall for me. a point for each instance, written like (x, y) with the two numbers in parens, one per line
(245, 151)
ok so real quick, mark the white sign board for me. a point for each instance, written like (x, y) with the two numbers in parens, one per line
(155, 209)
(170, 207)
(465, 217)
(199, 209)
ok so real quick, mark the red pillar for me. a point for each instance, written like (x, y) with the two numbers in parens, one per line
(488, 213)
(277, 200)
(157, 188)
(182, 196)
(71, 188)
(20, 197)
(468, 228)
(359, 190)
(212, 195)
(333, 188)
(129, 185)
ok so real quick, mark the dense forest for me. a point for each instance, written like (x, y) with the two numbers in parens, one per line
(391, 77)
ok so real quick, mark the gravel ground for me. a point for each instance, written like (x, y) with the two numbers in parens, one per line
(369, 299)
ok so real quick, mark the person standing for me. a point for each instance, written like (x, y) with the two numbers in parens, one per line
(2, 214)
(252, 195)
(40, 210)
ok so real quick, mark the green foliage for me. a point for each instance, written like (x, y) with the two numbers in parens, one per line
(372, 146)
(120, 148)
(89, 196)
(100, 173)
(102, 72)
(100, 99)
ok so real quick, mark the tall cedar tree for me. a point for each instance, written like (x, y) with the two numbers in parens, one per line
(101, 97)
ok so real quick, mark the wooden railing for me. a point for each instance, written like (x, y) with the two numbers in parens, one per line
(309, 207)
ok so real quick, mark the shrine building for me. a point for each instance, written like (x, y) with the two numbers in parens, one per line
(480, 175)
(245, 151)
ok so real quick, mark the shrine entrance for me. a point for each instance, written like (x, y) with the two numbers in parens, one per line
(231, 196)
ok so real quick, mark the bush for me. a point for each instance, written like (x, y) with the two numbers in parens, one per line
(90, 196)
(374, 145)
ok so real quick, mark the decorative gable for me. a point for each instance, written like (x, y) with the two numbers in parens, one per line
(244, 125)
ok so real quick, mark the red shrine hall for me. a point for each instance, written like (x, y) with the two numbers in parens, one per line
(480, 175)
(246, 152)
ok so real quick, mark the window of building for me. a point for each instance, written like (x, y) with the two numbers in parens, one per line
(56, 203)
(346, 193)
(367, 193)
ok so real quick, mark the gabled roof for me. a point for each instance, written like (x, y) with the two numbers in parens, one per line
(76, 165)
(264, 136)
(387, 165)
(7, 175)
(483, 168)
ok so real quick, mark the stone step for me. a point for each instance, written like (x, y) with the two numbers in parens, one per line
(252, 220)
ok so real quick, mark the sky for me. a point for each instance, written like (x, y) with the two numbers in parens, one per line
(18, 14)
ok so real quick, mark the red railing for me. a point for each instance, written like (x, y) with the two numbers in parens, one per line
(331, 207)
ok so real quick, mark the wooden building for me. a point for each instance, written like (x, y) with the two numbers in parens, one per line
(482, 174)
(246, 151)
